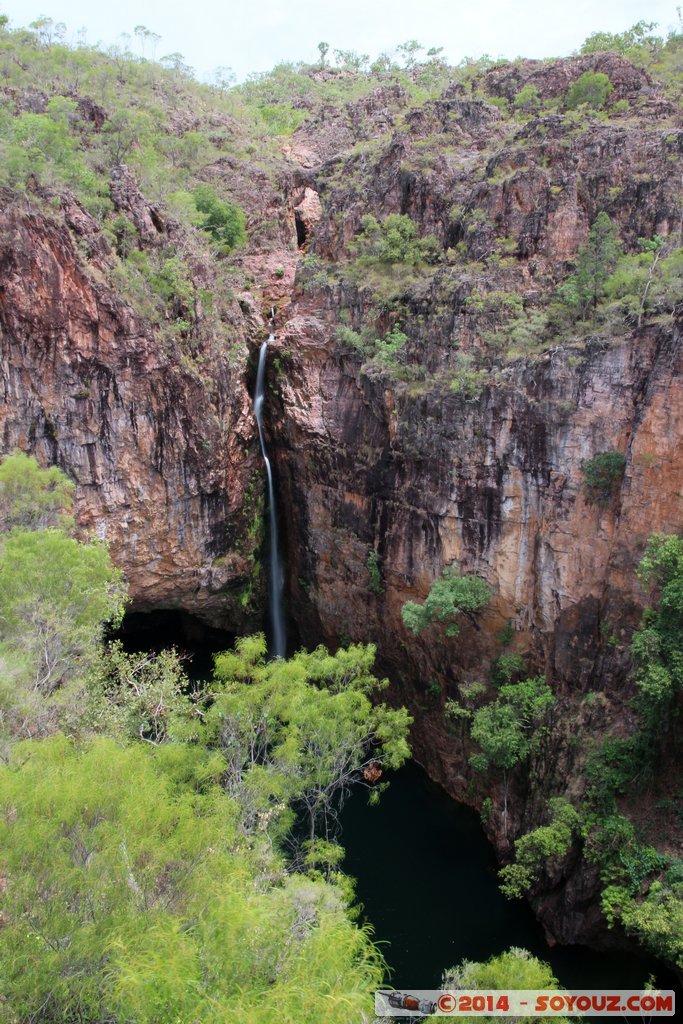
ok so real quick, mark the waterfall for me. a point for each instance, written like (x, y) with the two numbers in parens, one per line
(275, 575)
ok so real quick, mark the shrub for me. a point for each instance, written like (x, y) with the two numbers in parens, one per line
(595, 262)
(603, 475)
(528, 98)
(224, 221)
(375, 573)
(395, 240)
(591, 89)
(450, 596)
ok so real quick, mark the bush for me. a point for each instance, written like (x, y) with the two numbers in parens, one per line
(591, 89)
(224, 221)
(450, 596)
(395, 240)
(129, 894)
(657, 646)
(375, 573)
(528, 99)
(603, 475)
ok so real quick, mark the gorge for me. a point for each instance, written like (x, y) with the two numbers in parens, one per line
(441, 393)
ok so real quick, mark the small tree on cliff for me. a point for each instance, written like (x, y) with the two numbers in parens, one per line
(507, 730)
(591, 89)
(657, 646)
(595, 262)
(450, 596)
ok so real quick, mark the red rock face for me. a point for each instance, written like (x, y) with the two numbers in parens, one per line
(492, 484)
(161, 461)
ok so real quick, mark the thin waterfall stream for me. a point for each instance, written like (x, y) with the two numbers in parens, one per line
(278, 637)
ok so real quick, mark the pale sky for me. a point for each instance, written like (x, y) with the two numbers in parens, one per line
(253, 35)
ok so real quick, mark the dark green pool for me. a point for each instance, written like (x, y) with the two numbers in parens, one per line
(427, 882)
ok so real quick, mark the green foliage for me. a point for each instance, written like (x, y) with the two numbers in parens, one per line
(381, 354)
(602, 476)
(32, 498)
(507, 730)
(613, 769)
(647, 282)
(657, 920)
(528, 99)
(129, 895)
(591, 89)
(541, 849)
(450, 596)
(498, 731)
(224, 221)
(141, 696)
(657, 646)
(55, 597)
(300, 732)
(514, 969)
(375, 573)
(510, 728)
(595, 263)
(637, 43)
(506, 668)
(611, 843)
(394, 240)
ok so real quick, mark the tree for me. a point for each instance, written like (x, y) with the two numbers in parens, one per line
(603, 475)
(450, 596)
(56, 595)
(32, 498)
(141, 695)
(595, 262)
(636, 43)
(657, 647)
(223, 220)
(409, 51)
(300, 732)
(507, 730)
(394, 240)
(539, 848)
(323, 50)
(514, 969)
(591, 89)
(125, 131)
(128, 894)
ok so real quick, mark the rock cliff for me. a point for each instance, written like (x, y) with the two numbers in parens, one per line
(465, 450)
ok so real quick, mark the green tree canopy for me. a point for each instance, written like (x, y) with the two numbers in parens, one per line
(450, 596)
(129, 894)
(591, 89)
(514, 969)
(301, 732)
(33, 498)
(595, 262)
(657, 646)
(223, 220)
(55, 598)
(509, 728)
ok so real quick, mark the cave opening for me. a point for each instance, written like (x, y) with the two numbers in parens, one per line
(301, 230)
(195, 640)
